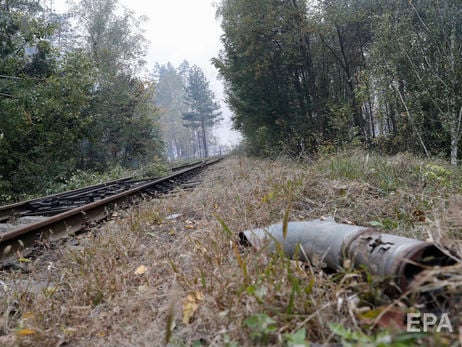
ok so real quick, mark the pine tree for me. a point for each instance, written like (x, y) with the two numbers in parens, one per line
(203, 110)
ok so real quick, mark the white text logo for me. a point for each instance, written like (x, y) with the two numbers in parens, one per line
(418, 322)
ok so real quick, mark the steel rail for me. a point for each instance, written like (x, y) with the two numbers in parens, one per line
(29, 207)
(22, 208)
(19, 242)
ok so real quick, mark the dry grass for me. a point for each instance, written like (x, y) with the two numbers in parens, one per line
(94, 292)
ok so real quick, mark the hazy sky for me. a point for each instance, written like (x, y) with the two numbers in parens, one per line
(179, 30)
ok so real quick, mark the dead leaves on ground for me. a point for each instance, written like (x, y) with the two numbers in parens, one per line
(141, 270)
(190, 306)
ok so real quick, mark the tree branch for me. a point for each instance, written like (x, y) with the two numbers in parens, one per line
(412, 121)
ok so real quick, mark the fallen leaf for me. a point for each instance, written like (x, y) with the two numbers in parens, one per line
(189, 226)
(25, 332)
(28, 315)
(385, 317)
(141, 270)
(198, 248)
(419, 216)
(190, 306)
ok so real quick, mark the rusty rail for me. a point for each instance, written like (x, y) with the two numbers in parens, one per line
(19, 242)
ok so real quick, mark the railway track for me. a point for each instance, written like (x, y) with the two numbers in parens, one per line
(25, 224)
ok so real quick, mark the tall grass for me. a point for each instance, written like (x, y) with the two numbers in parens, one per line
(170, 271)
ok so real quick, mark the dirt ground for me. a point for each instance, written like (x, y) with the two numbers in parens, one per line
(171, 272)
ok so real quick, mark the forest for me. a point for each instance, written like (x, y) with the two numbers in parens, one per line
(301, 78)
(74, 100)
(349, 110)
(308, 76)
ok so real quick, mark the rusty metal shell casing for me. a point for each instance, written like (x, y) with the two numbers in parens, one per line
(389, 255)
(329, 244)
(317, 241)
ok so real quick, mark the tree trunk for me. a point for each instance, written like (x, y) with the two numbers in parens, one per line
(455, 136)
(457, 116)
(454, 147)
(204, 138)
(357, 115)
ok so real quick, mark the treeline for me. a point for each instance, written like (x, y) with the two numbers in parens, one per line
(303, 75)
(71, 98)
(188, 111)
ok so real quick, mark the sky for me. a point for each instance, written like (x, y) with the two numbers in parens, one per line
(179, 30)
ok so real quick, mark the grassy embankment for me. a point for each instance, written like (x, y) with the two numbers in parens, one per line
(143, 279)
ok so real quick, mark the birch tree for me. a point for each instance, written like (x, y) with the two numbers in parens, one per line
(419, 47)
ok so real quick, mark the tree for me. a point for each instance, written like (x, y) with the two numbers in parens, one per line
(112, 36)
(344, 30)
(62, 110)
(122, 101)
(418, 54)
(263, 75)
(41, 100)
(202, 111)
(181, 141)
(300, 75)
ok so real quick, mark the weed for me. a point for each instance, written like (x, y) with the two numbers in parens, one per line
(95, 296)
(382, 339)
(297, 338)
(261, 326)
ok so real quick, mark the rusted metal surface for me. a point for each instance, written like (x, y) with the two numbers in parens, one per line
(19, 241)
(329, 244)
(61, 202)
(27, 208)
(391, 255)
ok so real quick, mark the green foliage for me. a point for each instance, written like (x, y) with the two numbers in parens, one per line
(65, 108)
(154, 169)
(436, 174)
(202, 111)
(79, 179)
(382, 74)
(41, 120)
(415, 62)
(125, 124)
(283, 93)
(383, 339)
(261, 327)
(385, 224)
(296, 339)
